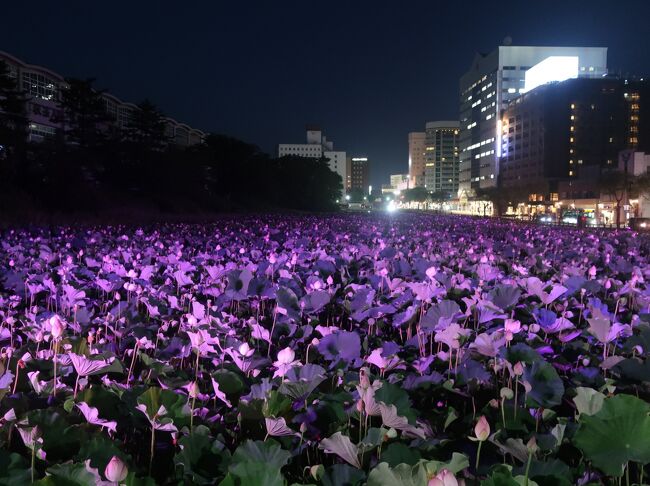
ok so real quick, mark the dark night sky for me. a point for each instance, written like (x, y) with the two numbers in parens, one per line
(367, 71)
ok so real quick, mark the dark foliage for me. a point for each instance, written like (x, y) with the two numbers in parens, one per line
(93, 166)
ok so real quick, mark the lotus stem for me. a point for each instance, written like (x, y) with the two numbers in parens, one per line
(530, 459)
(76, 386)
(56, 349)
(135, 352)
(152, 447)
(33, 464)
(478, 455)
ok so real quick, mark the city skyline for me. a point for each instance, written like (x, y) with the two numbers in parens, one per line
(256, 63)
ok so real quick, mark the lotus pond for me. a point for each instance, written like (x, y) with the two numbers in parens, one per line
(384, 350)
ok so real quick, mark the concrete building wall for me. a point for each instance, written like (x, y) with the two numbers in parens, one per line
(417, 159)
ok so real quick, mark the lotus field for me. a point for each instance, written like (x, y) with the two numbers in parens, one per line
(384, 350)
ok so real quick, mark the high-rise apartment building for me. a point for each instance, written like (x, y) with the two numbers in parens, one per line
(43, 89)
(417, 160)
(317, 147)
(442, 157)
(493, 81)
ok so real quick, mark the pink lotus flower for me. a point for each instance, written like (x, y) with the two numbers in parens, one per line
(116, 470)
(482, 429)
(57, 326)
(444, 478)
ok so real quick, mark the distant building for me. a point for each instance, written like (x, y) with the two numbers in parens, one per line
(493, 81)
(417, 146)
(358, 174)
(442, 157)
(400, 182)
(557, 138)
(317, 147)
(43, 89)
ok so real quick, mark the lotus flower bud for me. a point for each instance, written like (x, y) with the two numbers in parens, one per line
(592, 271)
(116, 470)
(586, 361)
(303, 427)
(518, 368)
(359, 406)
(482, 429)
(57, 326)
(245, 350)
(193, 390)
(506, 393)
(494, 403)
(444, 478)
(286, 356)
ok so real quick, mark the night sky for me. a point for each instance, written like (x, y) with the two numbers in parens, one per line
(368, 72)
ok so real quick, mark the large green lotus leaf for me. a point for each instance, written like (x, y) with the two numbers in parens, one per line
(520, 352)
(502, 476)
(200, 457)
(256, 474)
(399, 453)
(402, 475)
(99, 450)
(14, 469)
(133, 480)
(339, 474)
(588, 401)
(60, 441)
(175, 404)
(276, 404)
(617, 434)
(547, 388)
(394, 395)
(70, 474)
(268, 452)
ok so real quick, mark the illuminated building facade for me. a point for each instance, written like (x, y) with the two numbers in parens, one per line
(557, 138)
(43, 89)
(417, 158)
(442, 157)
(493, 81)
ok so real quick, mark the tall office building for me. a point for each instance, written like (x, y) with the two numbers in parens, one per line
(417, 149)
(557, 138)
(442, 157)
(493, 81)
(43, 89)
(317, 147)
(358, 174)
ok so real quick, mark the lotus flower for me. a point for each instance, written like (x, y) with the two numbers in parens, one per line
(284, 362)
(482, 429)
(57, 326)
(444, 478)
(116, 470)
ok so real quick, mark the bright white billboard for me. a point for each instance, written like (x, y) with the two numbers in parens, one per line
(553, 68)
